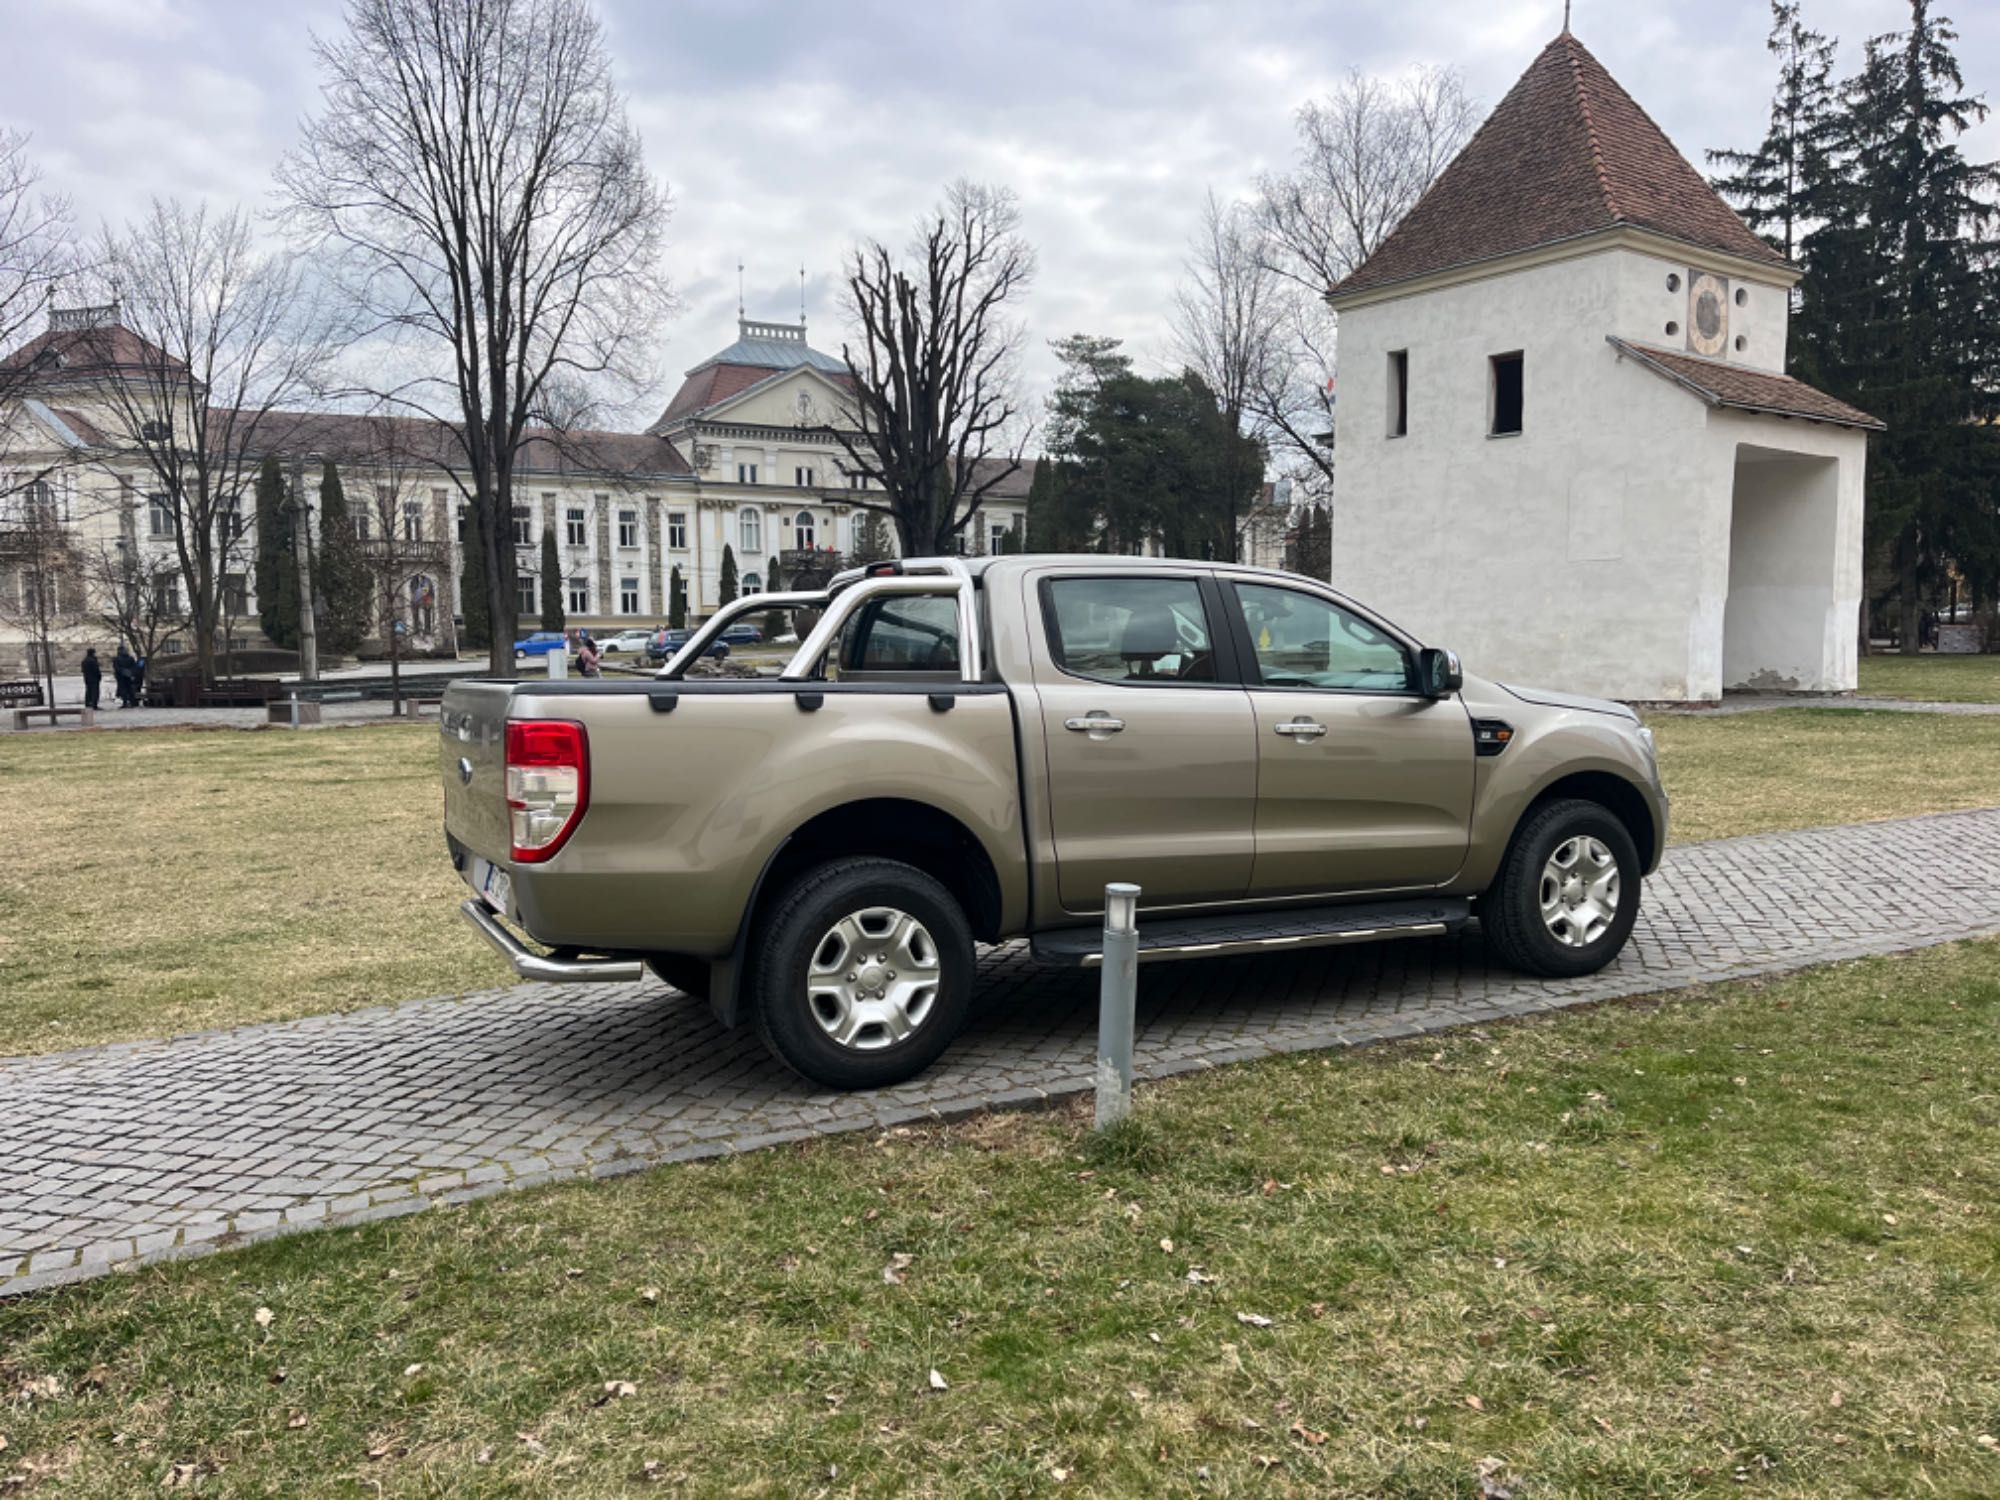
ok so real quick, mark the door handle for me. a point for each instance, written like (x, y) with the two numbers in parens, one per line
(1095, 723)
(1302, 728)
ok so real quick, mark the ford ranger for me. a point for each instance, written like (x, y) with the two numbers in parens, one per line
(965, 751)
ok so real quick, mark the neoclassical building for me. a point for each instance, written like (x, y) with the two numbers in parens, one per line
(738, 460)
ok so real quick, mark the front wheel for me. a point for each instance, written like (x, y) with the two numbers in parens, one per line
(1567, 893)
(864, 975)
(520, 656)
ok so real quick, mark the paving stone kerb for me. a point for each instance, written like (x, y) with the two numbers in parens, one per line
(144, 1151)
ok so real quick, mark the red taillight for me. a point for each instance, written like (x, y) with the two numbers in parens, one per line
(548, 785)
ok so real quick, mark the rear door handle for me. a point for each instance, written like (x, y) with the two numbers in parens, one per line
(1302, 728)
(1095, 723)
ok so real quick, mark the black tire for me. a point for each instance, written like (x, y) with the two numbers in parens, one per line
(1510, 912)
(792, 932)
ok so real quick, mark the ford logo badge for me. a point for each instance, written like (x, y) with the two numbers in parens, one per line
(464, 771)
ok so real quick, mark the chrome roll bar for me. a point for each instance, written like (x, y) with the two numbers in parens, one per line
(749, 604)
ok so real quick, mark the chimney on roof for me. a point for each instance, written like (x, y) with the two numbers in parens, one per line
(76, 319)
(752, 328)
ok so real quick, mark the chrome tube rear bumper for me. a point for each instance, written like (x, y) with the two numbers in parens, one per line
(555, 970)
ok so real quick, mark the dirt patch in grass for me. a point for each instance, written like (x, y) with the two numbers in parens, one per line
(1932, 679)
(1734, 1242)
(1806, 767)
(169, 881)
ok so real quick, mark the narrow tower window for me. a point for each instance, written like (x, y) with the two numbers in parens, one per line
(1506, 381)
(1399, 393)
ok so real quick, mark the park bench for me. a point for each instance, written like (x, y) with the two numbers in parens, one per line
(239, 694)
(87, 717)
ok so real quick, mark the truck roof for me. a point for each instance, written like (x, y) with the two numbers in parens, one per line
(977, 566)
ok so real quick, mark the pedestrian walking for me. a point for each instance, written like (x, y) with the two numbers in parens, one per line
(93, 674)
(121, 675)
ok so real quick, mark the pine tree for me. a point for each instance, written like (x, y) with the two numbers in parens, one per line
(871, 539)
(677, 599)
(552, 584)
(277, 567)
(478, 632)
(1904, 317)
(343, 577)
(726, 590)
(1781, 186)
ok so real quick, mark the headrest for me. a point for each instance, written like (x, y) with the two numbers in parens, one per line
(1149, 634)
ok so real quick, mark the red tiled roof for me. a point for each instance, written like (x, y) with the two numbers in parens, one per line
(1743, 389)
(74, 352)
(709, 385)
(1568, 152)
(348, 439)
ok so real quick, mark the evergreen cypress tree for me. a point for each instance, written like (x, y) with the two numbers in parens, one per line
(776, 621)
(871, 539)
(277, 567)
(726, 592)
(343, 577)
(552, 584)
(1780, 187)
(677, 599)
(478, 632)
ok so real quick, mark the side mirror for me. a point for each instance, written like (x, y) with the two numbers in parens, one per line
(1438, 673)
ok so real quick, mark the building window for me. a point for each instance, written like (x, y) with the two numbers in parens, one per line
(803, 478)
(996, 538)
(233, 524)
(628, 528)
(746, 473)
(1506, 382)
(525, 602)
(524, 527)
(677, 530)
(235, 595)
(750, 531)
(159, 515)
(166, 595)
(573, 525)
(628, 596)
(413, 521)
(803, 531)
(1399, 393)
(579, 596)
(361, 524)
(856, 480)
(753, 583)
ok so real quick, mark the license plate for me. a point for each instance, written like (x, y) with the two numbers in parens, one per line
(494, 884)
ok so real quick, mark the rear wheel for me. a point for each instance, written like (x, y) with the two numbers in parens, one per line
(1567, 893)
(864, 975)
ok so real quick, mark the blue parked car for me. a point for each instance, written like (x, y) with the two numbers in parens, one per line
(744, 634)
(541, 643)
(667, 641)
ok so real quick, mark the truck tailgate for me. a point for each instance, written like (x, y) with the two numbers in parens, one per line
(472, 745)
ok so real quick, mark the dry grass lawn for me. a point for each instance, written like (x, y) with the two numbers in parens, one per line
(1932, 679)
(174, 880)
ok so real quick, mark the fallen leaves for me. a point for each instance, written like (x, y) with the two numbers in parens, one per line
(893, 1274)
(938, 1382)
(1253, 1320)
(649, 1295)
(1475, 1403)
(1307, 1436)
(264, 1317)
(296, 1420)
(617, 1390)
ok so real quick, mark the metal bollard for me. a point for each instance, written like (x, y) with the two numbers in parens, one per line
(295, 708)
(1117, 998)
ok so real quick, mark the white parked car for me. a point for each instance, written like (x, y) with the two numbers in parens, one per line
(627, 641)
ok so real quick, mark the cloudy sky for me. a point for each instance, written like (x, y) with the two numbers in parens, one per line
(786, 129)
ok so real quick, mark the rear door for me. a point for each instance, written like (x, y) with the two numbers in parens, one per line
(1363, 784)
(1152, 755)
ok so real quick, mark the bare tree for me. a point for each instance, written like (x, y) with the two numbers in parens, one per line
(133, 597)
(37, 259)
(1367, 152)
(935, 417)
(40, 586)
(211, 341)
(489, 207)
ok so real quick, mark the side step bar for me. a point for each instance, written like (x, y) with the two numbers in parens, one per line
(1166, 938)
(531, 965)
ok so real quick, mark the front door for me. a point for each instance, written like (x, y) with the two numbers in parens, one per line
(1152, 758)
(1363, 784)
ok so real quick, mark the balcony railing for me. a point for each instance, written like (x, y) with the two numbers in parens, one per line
(398, 552)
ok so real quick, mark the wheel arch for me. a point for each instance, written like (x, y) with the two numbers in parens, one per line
(1610, 791)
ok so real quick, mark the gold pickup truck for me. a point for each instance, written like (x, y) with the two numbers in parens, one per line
(964, 751)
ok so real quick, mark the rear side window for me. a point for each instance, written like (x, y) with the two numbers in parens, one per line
(914, 634)
(1150, 631)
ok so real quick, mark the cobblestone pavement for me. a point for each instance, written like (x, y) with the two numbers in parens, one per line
(144, 1151)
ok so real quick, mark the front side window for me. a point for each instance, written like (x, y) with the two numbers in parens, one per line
(803, 531)
(628, 596)
(914, 634)
(573, 525)
(1304, 641)
(1145, 631)
(628, 528)
(750, 526)
(579, 596)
